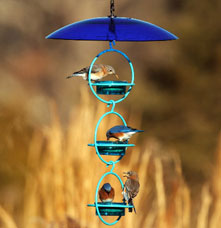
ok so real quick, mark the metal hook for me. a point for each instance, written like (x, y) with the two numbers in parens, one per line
(112, 43)
(113, 165)
(111, 102)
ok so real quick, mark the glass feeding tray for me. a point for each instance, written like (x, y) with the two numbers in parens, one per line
(112, 87)
(111, 209)
(112, 148)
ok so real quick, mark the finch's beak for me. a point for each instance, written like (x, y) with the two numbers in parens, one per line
(116, 76)
(125, 174)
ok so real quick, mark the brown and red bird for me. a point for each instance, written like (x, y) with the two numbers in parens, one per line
(98, 72)
(131, 187)
(106, 193)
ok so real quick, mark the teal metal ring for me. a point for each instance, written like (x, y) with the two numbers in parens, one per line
(132, 75)
(95, 137)
(96, 194)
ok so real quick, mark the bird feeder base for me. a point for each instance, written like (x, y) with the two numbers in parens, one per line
(111, 87)
(111, 209)
(112, 148)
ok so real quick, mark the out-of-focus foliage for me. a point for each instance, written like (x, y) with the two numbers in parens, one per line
(177, 88)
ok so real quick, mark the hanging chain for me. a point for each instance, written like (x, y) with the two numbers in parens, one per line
(112, 9)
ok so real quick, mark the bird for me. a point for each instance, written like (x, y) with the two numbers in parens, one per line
(131, 188)
(98, 72)
(121, 133)
(106, 193)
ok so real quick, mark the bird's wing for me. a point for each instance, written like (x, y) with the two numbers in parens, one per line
(96, 68)
(82, 71)
(134, 129)
(112, 193)
(132, 187)
(120, 128)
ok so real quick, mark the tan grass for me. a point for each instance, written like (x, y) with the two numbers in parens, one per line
(6, 220)
(216, 185)
(202, 221)
(161, 198)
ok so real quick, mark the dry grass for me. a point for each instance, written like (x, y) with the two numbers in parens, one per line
(64, 171)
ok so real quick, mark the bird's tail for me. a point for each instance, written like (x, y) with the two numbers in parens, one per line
(75, 74)
(139, 131)
(135, 130)
(130, 202)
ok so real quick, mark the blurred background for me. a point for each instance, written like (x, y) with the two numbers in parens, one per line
(47, 172)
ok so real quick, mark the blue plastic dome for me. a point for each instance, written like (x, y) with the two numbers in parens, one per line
(112, 28)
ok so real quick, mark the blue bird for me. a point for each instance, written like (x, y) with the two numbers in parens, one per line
(106, 193)
(121, 133)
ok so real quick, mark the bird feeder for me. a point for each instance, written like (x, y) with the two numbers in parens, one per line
(109, 147)
(111, 87)
(112, 148)
(111, 29)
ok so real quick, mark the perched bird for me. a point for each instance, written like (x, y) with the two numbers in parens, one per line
(106, 193)
(98, 72)
(131, 188)
(121, 133)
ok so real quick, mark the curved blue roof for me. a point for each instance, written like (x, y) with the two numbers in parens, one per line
(109, 29)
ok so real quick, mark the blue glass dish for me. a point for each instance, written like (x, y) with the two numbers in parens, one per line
(109, 29)
(112, 87)
(111, 209)
(112, 148)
